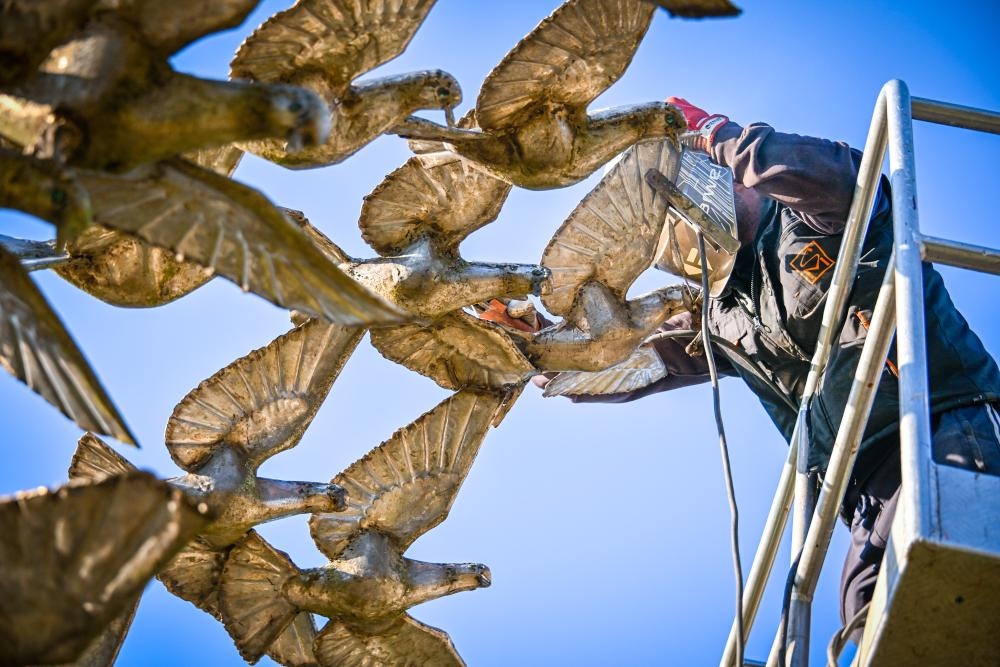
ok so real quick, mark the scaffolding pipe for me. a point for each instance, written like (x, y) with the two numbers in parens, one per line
(964, 255)
(862, 202)
(911, 346)
(849, 435)
(955, 115)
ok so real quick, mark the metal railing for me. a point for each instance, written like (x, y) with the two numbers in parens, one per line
(899, 309)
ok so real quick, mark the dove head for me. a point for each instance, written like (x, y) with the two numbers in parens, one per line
(303, 114)
(441, 91)
(433, 580)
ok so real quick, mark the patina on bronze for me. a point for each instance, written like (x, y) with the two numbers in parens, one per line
(416, 219)
(221, 432)
(532, 108)
(74, 557)
(107, 97)
(46, 190)
(398, 491)
(323, 45)
(233, 230)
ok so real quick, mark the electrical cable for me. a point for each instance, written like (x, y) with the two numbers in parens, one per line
(840, 637)
(786, 602)
(724, 447)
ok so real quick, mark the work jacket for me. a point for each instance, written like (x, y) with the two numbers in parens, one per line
(772, 307)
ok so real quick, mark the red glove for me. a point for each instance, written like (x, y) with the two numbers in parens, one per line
(701, 127)
(497, 311)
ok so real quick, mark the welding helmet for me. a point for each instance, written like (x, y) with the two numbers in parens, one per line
(701, 199)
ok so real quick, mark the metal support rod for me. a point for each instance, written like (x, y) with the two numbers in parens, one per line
(964, 255)
(955, 115)
(852, 427)
(843, 278)
(767, 551)
(911, 346)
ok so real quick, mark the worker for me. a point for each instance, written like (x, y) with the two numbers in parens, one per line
(792, 196)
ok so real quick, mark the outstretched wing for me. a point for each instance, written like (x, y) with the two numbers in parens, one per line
(406, 486)
(569, 59)
(456, 351)
(235, 231)
(262, 403)
(406, 642)
(125, 271)
(75, 557)
(440, 194)
(342, 39)
(612, 235)
(37, 349)
(641, 369)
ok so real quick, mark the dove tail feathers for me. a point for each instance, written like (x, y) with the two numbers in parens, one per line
(254, 610)
(95, 461)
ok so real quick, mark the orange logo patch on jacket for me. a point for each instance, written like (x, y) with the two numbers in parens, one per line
(811, 262)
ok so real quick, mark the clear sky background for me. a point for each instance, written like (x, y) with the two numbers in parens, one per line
(606, 526)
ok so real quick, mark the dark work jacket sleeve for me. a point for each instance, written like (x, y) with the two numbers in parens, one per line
(813, 177)
(682, 369)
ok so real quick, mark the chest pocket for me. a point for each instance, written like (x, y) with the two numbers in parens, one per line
(805, 260)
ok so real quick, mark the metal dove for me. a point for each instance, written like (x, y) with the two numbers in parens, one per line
(221, 432)
(595, 256)
(107, 97)
(532, 108)
(323, 45)
(76, 556)
(29, 30)
(233, 230)
(415, 220)
(36, 348)
(397, 492)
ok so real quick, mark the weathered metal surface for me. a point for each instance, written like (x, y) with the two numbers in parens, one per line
(222, 432)
(698, 9)
(399, 491)
(641, 369)
(612, 234)
(75, 557)
(125, 271)
(45, 190)
(234, 231)
(256, 407)
(29, 30)
(456, 350)
(37, 349)
(113, 102)
(532, 108)
(322, 45)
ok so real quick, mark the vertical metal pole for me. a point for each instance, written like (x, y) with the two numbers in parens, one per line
(843, 278)
(911, 345)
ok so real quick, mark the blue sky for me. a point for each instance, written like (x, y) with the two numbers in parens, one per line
(606, 527)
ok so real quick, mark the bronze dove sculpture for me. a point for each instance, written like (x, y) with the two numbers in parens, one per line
(603, 246)
(323, 45)
(221, 432)
(415, 220)
(532, 108)
(73, 558)
(37, 349)
(233, 230)
(397, 492)
(107, 97)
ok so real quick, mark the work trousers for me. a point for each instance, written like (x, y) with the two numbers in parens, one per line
(966, 438)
